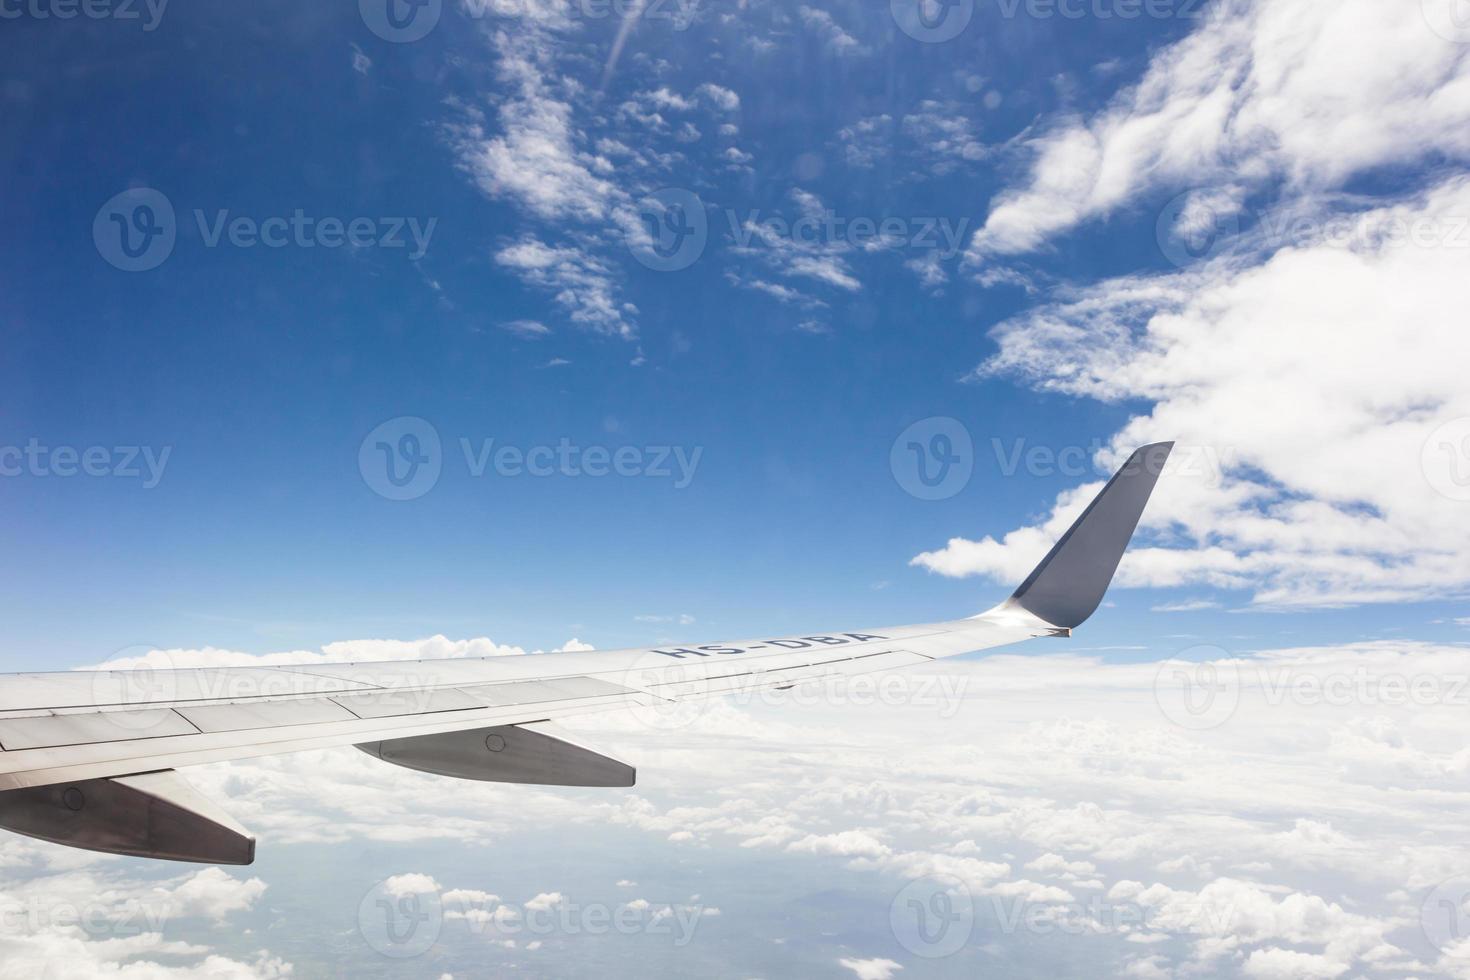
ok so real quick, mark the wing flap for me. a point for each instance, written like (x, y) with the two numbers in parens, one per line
(419, 701)
(247, 716)
(54, 731)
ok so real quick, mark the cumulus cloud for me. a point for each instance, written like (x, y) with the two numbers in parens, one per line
(1308, 384)
(535, 153)
(836, 39)
(580, 282)
(1227, 848)
(872, 969)
(436, 647)
(1310, 819)
(92, 922)
(1311, 92)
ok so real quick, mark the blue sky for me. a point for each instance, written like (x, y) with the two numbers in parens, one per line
(1238, 224)
(262, 369)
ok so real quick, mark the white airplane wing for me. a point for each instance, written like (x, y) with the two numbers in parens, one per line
(87, 758)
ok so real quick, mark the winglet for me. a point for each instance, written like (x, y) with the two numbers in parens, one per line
(1069, 583)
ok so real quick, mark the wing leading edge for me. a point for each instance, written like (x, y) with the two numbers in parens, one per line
(87, 757)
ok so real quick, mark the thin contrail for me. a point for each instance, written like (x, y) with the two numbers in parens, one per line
(624, 29)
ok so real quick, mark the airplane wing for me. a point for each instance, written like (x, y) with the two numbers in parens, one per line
(88, 758)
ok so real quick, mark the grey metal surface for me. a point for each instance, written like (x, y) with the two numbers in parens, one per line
(386, 704)
(536, 753)
(155, 815)
(1069, 583)
(554, 689)
(45, 731)
(264, 714)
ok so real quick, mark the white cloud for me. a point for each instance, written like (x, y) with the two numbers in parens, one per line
(1288, 964)
(847, 843)
(538, 156)
(528, 329)
(437, 647)
(812, 254)
(868, 141)
(410, 883)
(361, 63)
(534, 160)
(945, 137)
(79, 924)
(723, 98)
(874, 969)
(213, 894)
(1303, 382)
(1290, 826)
(929, 268)
(546, 901)
(837, 40)
(1309, 91)
(580, 282)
